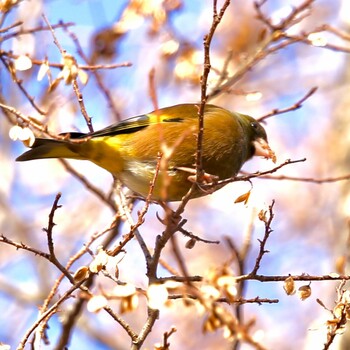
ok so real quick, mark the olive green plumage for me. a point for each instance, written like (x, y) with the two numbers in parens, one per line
(129, 149)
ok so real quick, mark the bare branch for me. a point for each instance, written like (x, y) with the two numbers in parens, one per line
(23, 31)
(48, 313)
(97, 75)
(19, 83)
(294, 107)
(248, 177)
(267, 221)
(308, 179)
(204, 81)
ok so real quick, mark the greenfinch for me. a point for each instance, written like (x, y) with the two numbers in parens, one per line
(130, 150)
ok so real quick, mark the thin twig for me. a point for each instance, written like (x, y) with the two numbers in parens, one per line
(179, 258)
(48, 313)
(340, 318)
(95, 190)
(23, 246)
(152, 88)
(23, 31)
(107, 93)
(51, 224)
(248, 177)
(267, 221)
(11, 26)
(217, 17)
(302, 277)
(317, 181)
(238, 301)
(86, 67)
(146, 329)
(124, 324)
(80, 99)
(76, 89)
(269, 278)
(74, 312)
(294, 107)
(19, 83)
(55, 40)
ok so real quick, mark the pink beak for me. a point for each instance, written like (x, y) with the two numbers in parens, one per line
(263, 149)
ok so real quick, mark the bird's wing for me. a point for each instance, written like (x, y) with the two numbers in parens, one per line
(163, 115)
(173, 114)
(126, 126)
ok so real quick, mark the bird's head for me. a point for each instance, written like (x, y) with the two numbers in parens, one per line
(258, 138)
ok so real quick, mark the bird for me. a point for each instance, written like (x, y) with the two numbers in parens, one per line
(160, 148)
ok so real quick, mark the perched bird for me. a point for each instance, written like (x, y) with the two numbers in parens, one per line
(130, 149)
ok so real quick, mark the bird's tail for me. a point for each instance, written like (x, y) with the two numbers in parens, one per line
(47, 148)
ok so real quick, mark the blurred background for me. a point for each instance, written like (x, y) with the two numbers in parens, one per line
(310, 228)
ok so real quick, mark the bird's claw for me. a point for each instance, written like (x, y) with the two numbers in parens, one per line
(205, 178)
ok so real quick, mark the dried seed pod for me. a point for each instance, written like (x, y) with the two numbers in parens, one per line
(289, 285)
(81, 274)
(304, 292)
(190, 243)
(243, 198)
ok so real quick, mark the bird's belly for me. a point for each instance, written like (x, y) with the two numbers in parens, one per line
(170, 184)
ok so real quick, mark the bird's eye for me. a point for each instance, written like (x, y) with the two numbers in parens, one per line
(254, 125)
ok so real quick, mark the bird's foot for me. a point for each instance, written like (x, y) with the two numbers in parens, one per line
(205, 178)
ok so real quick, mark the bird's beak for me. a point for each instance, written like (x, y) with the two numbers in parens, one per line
(263, 149)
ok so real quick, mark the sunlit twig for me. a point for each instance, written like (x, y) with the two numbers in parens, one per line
(294, 107)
